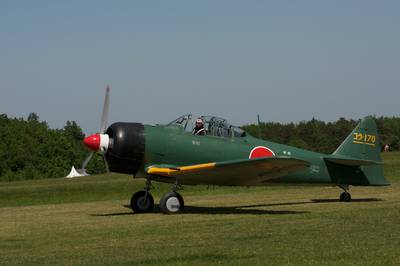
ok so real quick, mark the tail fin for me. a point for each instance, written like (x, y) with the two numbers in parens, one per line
(357, 161)
(362, 143)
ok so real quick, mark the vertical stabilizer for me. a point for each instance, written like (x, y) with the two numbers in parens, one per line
(362, 143)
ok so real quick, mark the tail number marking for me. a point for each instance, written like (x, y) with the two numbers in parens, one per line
(361, 138)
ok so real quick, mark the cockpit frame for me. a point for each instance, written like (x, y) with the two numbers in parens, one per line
(214, 126)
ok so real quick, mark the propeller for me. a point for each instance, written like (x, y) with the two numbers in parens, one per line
(96, 142)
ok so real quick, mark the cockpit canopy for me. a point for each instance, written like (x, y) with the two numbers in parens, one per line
(214, 126)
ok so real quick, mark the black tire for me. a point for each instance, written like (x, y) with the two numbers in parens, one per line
(142, 202)
(345, 197)
(171, 202)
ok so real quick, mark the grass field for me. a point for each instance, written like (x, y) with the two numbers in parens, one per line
(84, 221)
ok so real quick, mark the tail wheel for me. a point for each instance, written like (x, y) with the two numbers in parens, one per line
(171, 202)
(345, 196)
(142, 201)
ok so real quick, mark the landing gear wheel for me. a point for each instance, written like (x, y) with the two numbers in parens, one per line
(142, 201)
(345, 196)
(171, 202)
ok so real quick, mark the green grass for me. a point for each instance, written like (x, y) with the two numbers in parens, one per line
(83, 221)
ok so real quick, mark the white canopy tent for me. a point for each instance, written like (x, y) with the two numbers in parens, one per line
(73, 173)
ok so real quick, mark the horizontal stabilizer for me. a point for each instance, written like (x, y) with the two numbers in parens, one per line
(351, 161)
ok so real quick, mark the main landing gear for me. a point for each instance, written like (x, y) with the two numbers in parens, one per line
(345, 195)
(142, 201)
(170, 203)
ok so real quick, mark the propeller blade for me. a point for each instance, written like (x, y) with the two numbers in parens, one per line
(106, 164)
(87, 160)
(104, 116)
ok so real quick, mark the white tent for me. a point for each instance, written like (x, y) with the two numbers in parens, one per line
(73, 173)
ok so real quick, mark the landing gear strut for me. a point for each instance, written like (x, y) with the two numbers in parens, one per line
(172, 202)
(142, 201)
(345, 195)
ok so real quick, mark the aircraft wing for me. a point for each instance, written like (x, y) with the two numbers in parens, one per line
(242, 172)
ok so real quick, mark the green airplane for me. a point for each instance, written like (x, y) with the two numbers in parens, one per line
(228, 156)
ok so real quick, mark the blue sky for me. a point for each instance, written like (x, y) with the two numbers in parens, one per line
(285, 60)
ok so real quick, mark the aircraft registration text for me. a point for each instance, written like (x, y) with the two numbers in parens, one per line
(361, 138)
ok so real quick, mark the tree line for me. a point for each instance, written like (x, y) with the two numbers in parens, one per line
(30, 149)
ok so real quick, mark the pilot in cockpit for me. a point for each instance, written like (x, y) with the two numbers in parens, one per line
(199, 128)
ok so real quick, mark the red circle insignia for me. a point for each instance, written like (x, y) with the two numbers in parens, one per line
(261, 151)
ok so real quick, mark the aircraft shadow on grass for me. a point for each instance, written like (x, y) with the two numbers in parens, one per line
(313, 201)
(246, 208)
(215, 210)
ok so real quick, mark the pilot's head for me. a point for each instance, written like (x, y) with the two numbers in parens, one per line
(199, 123)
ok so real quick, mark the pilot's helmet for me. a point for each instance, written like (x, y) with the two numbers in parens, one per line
(199, 122)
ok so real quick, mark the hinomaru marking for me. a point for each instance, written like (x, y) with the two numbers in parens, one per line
(361, 138)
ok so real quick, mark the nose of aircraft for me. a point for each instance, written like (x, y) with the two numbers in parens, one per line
(97, 142)
(122, 146)
(92, 142)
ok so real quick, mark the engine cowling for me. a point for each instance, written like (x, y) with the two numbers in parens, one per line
(126, 148)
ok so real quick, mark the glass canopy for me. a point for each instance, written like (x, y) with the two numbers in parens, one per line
(214, 126)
